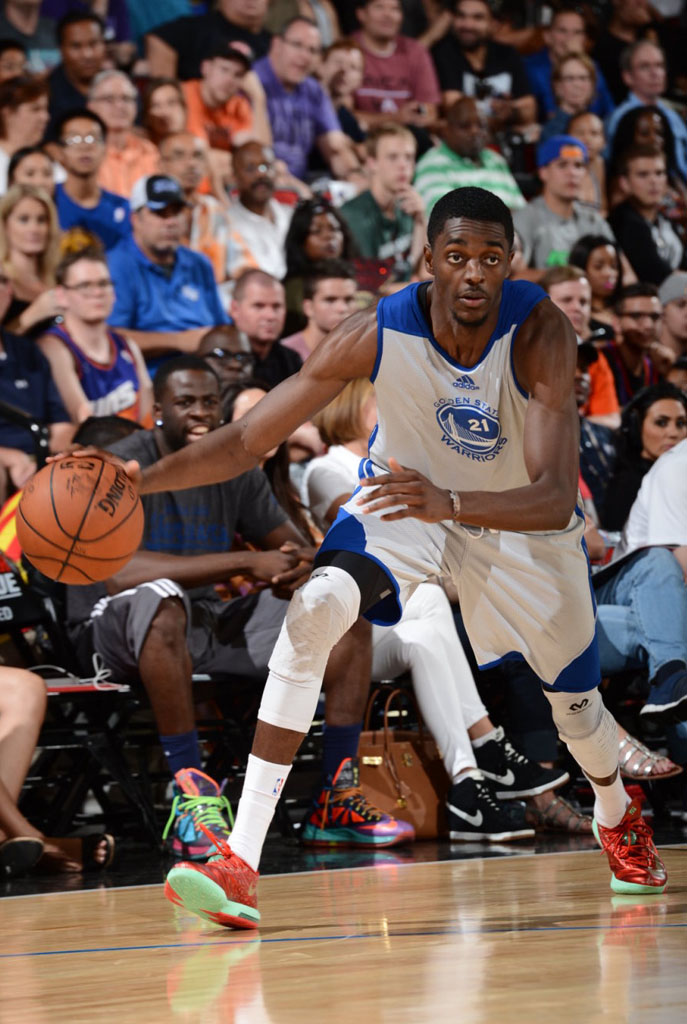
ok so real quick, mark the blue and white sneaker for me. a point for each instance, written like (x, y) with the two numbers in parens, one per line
(667, 700)
(197, 801)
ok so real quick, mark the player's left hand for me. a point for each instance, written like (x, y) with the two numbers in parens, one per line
(407, 487)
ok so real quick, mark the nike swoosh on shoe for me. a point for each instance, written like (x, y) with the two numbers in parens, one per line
(505, 780)
(474, 819)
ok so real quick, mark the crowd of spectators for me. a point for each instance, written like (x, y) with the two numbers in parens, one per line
(228, 185)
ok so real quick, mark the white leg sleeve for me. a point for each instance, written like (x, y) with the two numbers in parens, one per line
(588, 729)
(319, 614)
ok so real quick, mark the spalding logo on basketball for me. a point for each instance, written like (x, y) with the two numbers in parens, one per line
(470, 427)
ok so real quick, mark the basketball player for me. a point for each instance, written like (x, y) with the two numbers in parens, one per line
(472, 474)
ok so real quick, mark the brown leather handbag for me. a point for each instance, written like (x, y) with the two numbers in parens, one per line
(401, 770)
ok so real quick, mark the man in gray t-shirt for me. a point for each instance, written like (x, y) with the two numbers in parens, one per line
(160, 617)
(551, 224)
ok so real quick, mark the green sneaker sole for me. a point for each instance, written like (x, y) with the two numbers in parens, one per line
(312, 836)
(619, 886)
(198, 894)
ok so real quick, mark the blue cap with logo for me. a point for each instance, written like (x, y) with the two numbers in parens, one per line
(157, 191)
(566, 146)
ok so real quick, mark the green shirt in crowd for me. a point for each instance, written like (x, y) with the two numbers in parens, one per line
(442, 169)
(378, 237)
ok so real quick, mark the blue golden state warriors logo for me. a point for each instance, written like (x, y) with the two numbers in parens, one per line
(470, 427)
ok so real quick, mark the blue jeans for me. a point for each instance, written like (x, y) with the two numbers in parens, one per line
(642, 614)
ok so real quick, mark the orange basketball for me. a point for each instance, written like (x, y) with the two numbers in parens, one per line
(79, 520)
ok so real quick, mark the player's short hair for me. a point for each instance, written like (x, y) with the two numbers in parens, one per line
(474, 203)
(560, 275)
(387, 130)
(178, 365)
(326, 270)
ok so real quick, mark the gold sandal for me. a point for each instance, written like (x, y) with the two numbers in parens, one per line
(628, 749)
(557, 816)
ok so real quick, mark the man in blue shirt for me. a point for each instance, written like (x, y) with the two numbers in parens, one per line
(566, 34)
(643, 67)
(166, 294)
(80, 200)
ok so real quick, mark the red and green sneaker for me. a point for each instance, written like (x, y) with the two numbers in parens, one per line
(343, 816)
(223, 891)
(635, 864)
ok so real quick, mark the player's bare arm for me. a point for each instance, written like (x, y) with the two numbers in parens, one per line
(544, 357)
(348, 352)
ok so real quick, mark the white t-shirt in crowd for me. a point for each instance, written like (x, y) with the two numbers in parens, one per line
(658, 516)
(326, 478)
(262, 236)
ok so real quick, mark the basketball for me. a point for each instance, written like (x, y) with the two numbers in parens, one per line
(79, 520)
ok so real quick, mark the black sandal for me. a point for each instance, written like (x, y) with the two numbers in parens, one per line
(86, 855)
(19, 855)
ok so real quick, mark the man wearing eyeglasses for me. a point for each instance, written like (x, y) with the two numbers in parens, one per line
(258, 220)
(128, 156)
(638, 333)
(98, 371)
(167, 297)
(301, 114)
(80, 200)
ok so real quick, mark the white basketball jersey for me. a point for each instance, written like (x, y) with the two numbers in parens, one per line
(461, 426)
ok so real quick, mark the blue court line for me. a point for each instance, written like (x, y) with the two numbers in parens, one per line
(350, 935)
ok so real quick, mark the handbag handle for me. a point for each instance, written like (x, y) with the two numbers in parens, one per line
(397, 692)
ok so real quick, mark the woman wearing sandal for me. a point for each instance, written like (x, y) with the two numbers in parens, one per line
(22, 847)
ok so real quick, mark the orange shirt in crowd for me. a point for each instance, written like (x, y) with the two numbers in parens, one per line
(122, 167)
(218, 125)
(603, 399)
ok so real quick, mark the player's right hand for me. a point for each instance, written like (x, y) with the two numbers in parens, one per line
(130, 467)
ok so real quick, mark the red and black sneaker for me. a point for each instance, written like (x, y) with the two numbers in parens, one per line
(343, 816)
(635, 864)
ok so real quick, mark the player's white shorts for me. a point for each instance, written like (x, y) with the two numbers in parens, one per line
(522, 595)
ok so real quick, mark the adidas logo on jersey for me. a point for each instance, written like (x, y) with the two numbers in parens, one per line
(465, 382)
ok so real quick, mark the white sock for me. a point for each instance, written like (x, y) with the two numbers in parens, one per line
(493, 734)
(611, 802)
(261, 789)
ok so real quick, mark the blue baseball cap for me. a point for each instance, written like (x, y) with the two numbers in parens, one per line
(561, 145)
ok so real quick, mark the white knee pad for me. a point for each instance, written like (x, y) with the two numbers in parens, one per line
(319, 614)
(588, 729)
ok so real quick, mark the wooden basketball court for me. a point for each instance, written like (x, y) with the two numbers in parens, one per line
(512, 939)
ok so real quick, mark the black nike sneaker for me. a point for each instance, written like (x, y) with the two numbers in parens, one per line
(512, 774)
(474, 813)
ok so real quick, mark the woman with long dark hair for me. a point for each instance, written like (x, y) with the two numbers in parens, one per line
(601, 261)
(317, 232)
(651, 424)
